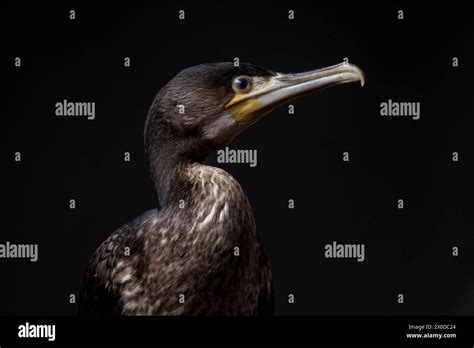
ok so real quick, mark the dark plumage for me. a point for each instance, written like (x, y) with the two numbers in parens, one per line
(199, 253)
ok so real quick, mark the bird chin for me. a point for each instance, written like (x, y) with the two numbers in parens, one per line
(223, 129)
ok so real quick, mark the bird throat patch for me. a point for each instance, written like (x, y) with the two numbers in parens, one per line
(244, 111)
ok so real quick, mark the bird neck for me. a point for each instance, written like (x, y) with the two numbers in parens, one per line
(205, 198)
(168, 174)
(180, 181)
(168, 153)
(184, 183)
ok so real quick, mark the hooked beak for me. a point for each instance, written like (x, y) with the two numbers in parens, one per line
(285, 87)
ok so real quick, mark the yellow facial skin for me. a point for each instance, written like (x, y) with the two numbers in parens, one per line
(244, 107)
(243, 111)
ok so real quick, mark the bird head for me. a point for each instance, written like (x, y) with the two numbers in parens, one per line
(207, 105)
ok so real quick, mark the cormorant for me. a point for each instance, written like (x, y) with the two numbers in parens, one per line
(182, 258)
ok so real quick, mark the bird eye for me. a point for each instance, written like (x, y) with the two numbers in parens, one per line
(241, 84)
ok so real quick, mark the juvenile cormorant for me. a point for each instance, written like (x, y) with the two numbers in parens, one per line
(181, 259)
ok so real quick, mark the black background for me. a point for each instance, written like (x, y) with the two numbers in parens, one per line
(299, 156)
